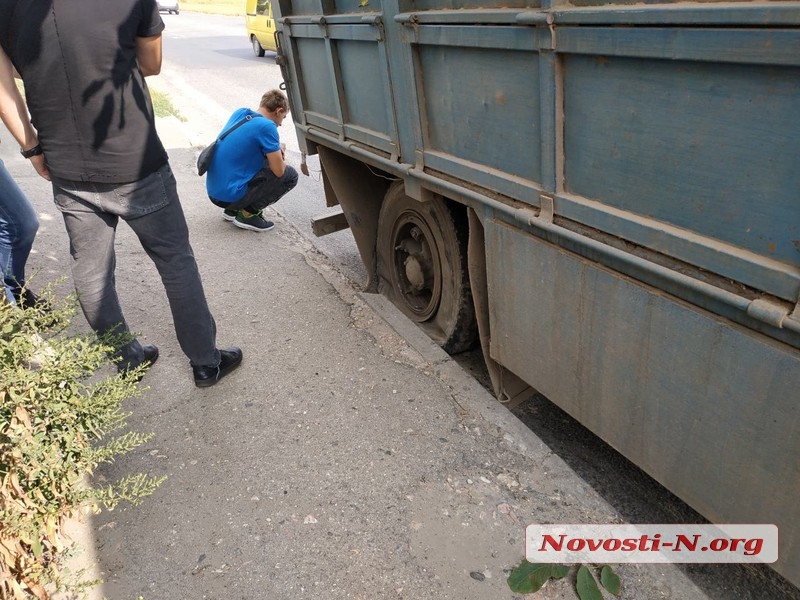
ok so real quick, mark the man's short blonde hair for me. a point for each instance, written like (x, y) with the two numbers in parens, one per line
(273, 100)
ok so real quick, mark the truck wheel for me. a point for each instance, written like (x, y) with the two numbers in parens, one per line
(422, 261)
(257, 49)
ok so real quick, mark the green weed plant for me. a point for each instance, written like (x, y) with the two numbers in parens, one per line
(60, 418)
(529, 578)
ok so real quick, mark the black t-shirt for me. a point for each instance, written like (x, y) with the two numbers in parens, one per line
(87, 97)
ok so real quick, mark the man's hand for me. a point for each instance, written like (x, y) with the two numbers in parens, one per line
(283, 150)
(40, 166)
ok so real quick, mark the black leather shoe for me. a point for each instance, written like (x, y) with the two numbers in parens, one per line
(150, 354)
(150, 357)
(27, 299)
(230, 358)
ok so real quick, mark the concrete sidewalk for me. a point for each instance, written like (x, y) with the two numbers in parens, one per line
(342, 460)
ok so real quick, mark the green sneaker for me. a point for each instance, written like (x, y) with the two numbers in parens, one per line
(229, 215)
(254, 222)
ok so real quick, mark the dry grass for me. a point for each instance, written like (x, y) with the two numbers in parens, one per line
(215, 7)
(163, 106)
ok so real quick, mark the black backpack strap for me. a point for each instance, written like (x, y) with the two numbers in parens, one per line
(239, 124)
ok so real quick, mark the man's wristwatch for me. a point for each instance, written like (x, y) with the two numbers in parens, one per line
(35, 151)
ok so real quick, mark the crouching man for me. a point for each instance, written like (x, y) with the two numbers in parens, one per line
(248, 171)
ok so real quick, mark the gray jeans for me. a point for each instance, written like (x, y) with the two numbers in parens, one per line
(153, 211)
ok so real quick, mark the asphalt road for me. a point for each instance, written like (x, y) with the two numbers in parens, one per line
(210, 70)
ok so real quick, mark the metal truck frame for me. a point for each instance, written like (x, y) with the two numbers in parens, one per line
(608, 193)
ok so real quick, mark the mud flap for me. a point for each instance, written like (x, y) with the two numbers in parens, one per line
(508, 388)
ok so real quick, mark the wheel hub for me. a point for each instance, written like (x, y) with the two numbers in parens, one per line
(416, 262)
(414, 273)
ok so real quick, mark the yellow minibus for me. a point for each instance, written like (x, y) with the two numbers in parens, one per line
(260, 26)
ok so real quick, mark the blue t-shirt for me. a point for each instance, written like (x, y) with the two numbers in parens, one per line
(240, 155)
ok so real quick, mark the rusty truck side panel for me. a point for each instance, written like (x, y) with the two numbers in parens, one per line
(633, 172)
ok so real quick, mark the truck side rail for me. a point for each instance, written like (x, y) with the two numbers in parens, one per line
(768, 274)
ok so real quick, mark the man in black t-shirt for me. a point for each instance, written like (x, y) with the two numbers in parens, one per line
(84, 63)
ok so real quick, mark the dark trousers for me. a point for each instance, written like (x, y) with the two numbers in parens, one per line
(265, 188)
(151, 207)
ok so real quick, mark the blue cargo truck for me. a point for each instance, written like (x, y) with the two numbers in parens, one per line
(605, 195)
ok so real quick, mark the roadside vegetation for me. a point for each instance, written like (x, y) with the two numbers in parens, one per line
(61, 417)
(529, 578)
(163, 106)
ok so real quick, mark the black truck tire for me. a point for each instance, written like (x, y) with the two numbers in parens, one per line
(422, 264)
